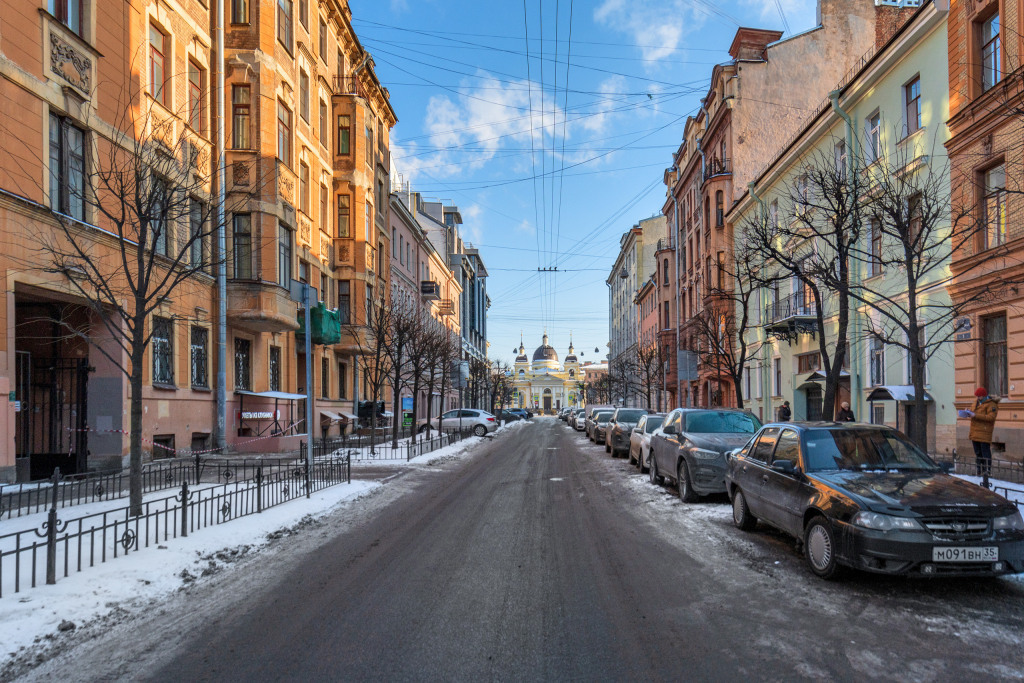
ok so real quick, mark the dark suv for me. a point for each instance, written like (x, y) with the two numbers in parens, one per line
(619, 429)
(864, 496)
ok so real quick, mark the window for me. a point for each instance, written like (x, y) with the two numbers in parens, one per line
(991, 59)
(878, 415)
(841, 158)
(369, 145)
(304, 12)
(369, 221)
(323, 41)
(157, 73)
(67, 168)
(873, 148)
(243, 364)
(284, 22)
(719, 209)
(163, 351)
(343, 215)
(912, 101)
(369, 304)
(197, 241)
(325, 377)
(875, 260)
(240, 116)
(69, 12)
(239, 11)
(777, 376)
(773, 213)
(284, 255)
(323, 124)
(284, 133)
(995, 206)
(304, 95)
(344, 302)
(788, 447)
(195, 96)
(344, 134)
(721, 271)
(158, 216)
(325, 218)
(808, 362)
(275, 368)
(665, 279)
(762, 450)
(994, 359)
(342, 381)
(241, 242)
(304, 187)
(199, 357)
(667, 318)
(876, 361)
(163, 446)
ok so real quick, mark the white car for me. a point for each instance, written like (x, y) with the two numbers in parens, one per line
(640, 440)
(480, 422)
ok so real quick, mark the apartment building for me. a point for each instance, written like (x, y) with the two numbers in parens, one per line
(305, 138)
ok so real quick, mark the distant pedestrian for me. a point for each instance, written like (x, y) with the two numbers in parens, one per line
(845, 414)
(785, 414)
(983, 420)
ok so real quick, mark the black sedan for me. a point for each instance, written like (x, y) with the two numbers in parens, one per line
(690, 448)
(864, 496)
(619, 428)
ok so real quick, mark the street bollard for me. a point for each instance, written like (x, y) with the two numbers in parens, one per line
(184, 497)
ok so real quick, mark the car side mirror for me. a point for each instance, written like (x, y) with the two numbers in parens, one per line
(784, 466)
(670, 429)
(946, 467)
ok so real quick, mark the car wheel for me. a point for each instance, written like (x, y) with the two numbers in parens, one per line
(686, 492)
(820, 548)
(632, 460)
(479, 430)
(655, 477)
(425, 429)
(741, 516)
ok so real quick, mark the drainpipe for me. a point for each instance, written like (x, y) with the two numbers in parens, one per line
(762, 302)
(222, 285)
(679, 322)
(856, 390)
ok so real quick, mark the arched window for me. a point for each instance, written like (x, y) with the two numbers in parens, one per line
(572, 373)
(522, 373)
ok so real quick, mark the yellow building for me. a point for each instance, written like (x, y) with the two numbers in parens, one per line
(543, 384)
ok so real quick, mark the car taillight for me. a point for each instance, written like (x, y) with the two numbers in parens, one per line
(490, 419)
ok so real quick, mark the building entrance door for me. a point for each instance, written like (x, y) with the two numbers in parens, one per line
(51, 424)
(547, 404)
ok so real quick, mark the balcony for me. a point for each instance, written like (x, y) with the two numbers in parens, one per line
(665, 244)
(257, 306)
(715, 167)
(430, 290)
(349, 85)
(795, 314)
(445, 307)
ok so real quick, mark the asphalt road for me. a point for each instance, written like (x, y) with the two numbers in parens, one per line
(541, 558)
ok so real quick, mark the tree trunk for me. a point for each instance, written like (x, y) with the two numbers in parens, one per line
(135, 426)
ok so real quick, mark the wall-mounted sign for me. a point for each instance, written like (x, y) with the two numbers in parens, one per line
(260, 415)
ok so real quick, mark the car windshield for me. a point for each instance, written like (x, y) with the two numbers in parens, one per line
(602, 417)
(721, 422)
(653, 423)
(629, 415)
(861, 450)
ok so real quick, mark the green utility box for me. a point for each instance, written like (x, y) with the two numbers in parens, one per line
(326, 325)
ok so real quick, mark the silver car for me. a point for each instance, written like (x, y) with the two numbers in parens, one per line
(640, 440)
(480, 422)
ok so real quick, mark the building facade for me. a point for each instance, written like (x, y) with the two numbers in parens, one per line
(544, 384)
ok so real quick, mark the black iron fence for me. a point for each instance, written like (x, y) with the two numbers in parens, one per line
(60, 547)
(405, 450)
(1006, 470)
(17, 500)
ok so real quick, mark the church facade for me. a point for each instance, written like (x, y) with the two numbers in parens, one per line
(545, 385)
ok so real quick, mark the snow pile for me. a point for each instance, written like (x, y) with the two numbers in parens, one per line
(37, 614)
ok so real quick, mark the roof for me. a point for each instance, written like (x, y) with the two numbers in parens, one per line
(545, 352)
(895, 392)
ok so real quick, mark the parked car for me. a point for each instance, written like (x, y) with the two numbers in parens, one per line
(522, 412)
(866, 497)
(578, 420)
(599, 425)
(619, 428)
(563, 414)
(590, 412)
(640, 439)
(508, 416)
(480, 422)
(690, 446)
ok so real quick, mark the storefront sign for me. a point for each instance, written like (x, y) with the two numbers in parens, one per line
(260, 415)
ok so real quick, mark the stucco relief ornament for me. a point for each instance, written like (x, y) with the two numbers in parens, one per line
(69, 63)
(240, 173)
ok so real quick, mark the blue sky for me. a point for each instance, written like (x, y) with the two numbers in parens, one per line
(549, 124)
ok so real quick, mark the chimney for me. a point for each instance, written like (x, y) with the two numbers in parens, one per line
(890, 16)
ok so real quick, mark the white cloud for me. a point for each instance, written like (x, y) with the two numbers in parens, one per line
(800, 14)
(657, 26)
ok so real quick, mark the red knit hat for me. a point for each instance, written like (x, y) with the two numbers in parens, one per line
(981, 391)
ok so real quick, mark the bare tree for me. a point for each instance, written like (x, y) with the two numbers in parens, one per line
(499, 384)
(405, 321)
(373, 342)
(812, 240)
(622, 377)
(148, 192)
(649, 361)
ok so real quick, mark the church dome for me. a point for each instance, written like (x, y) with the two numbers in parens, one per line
(545, 352)
(571, 358)
(521, 358)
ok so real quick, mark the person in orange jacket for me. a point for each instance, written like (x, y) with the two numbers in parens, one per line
(983, 420)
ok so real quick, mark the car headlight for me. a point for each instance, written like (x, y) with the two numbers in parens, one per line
(705, 454)
(1012, 522)
(880, 522)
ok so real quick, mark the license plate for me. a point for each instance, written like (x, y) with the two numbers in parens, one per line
(988, 554)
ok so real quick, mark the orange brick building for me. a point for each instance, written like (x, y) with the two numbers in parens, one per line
(305, 138)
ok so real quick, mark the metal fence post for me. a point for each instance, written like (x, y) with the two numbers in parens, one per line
(309, 483)
(197, 468)
(259, 488)
(51, 533)
(184, 496)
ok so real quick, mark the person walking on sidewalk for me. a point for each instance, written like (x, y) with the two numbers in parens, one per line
(845, 414)
(785, 414)
(983, 419)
